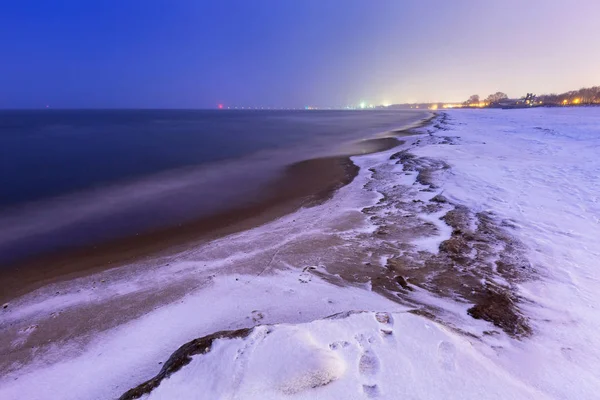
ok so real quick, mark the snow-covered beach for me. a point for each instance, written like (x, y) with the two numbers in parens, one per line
(459, 265)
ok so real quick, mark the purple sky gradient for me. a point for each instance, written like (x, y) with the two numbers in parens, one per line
(196, 54)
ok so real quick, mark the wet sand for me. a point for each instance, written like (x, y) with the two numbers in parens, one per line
(462, 269)
(301, 184)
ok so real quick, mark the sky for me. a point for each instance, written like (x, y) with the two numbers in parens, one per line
(280, 53)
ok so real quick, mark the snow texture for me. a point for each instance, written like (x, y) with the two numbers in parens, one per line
(357, 357)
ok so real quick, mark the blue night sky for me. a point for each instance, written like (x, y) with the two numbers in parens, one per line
(196, 54)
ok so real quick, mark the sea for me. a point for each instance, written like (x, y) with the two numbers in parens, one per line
(71, 178)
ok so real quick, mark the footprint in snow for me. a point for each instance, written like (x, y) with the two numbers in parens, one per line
(368, 363)
(387, 322)
(447, 355)
(384, 318)
(305, 277)
(567, 353)
(338, 345)
(364, 341)
(371, 390)
(257, 316)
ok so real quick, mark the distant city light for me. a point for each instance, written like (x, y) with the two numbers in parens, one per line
(220, 106)
(363, 104)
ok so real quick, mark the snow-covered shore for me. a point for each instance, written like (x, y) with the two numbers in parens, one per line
(385, 254)
(541, 169)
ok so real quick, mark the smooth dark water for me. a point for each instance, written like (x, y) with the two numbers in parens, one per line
(69, 177)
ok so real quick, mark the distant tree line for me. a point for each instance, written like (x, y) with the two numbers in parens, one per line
(581, 96)
(584, 96)
(575, 97)
(496, 97)
(475, 100)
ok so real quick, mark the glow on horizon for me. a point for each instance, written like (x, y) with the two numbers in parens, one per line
(467, 48)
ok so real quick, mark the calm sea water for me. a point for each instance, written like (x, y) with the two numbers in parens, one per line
(70, 177)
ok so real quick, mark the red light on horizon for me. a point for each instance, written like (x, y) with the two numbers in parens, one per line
(220, 106)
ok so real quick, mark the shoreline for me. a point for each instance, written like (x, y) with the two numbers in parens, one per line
(305, 183)
(417, 243)
(283, 196)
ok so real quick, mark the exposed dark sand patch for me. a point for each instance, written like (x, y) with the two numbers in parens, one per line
(466, 268)
(425, 167)
(498, 306)
(180, 358)
(481, 262)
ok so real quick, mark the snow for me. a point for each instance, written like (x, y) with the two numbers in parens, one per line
(541, 169)
(538, 168)
(432, 244)
(403, 356)
(131, 352)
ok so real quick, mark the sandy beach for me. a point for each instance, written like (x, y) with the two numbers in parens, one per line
(301, 184)
(304, 184)
(300, 200)
(404, 259)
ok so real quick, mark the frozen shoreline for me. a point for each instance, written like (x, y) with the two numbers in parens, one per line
(298, 183)
(499, 162)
